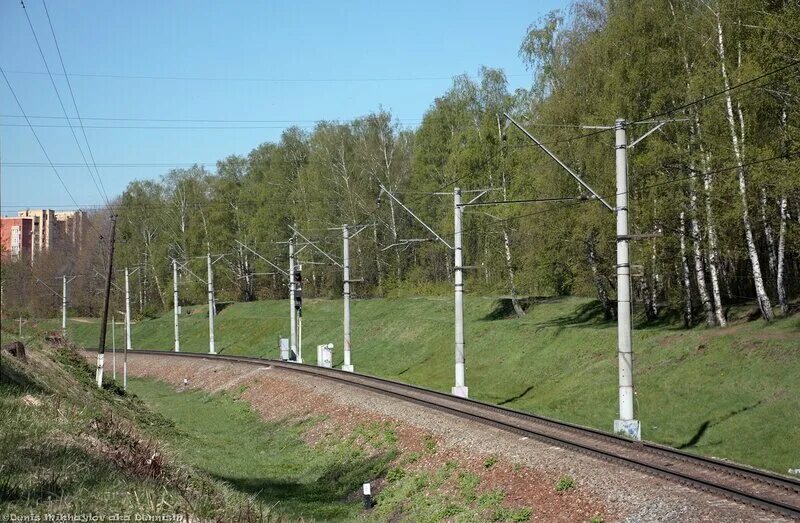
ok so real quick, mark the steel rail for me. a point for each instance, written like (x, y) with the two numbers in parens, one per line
(760, 494)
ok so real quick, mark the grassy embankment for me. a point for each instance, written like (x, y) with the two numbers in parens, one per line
(69, 448)
(731, 393)
(320, 482)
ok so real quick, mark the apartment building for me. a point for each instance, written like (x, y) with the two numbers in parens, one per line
(34, 231)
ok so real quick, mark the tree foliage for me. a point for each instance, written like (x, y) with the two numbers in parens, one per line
(592, 64)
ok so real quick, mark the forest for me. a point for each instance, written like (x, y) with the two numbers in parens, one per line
(714, 192)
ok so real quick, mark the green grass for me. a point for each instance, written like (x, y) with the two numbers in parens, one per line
(223, 437)
(321, 482)
(730, 393)
(67, 447)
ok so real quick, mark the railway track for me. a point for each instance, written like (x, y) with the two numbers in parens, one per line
(764, 490)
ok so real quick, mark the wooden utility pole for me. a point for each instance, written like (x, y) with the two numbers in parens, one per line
(101, 346)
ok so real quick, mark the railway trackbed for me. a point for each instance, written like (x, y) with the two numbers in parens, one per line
(761, 489)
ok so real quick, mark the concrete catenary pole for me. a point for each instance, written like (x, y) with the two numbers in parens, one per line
(64, 306)
(175, 304)
(626, 423)
(460, 388)
(211, 311)
(348, 366)
(292, 312)
(127, 311)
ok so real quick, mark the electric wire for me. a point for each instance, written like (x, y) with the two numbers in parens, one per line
(721, 92)
(580, 199)
(197, 120)
(258, 79)
(44, 151)
(60, 101)
(74, 102)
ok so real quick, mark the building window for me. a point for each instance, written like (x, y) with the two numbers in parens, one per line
(16, 241)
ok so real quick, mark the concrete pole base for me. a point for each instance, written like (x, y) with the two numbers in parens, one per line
(348, 368)
(630, 428)
(461, 392)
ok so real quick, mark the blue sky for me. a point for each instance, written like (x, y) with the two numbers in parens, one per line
(329, 60)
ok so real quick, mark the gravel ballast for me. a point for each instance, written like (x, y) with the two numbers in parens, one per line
(527, 470)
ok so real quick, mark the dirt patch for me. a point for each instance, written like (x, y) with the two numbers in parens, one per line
(527, 471)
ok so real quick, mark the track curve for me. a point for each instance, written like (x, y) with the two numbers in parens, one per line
(761, 489)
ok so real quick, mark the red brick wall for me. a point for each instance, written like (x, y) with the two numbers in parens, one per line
(25, 225)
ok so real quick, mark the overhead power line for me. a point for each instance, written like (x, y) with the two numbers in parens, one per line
(784, 156)
(721, 92)
(164, 127)
(197, 120)
(191, 78)
(74, 102)
(44, 151)
(106, 165)
(61, 103)
(580, 199)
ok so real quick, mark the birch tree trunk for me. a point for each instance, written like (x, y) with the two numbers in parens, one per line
(712, 264)
(768, 233)
(781, 255)
(654, 286)
(699, 265)
(687, 280)
(761, 294)
(602, 295)
(398, 271)
(509, 263)
(713, 253)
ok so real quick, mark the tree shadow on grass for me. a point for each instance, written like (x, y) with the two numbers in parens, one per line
(518, 396)
(589, 314)
(13, 381)
(504, 307)
(694, 440)
(324, 498)
(592, 314)
(35, 474)
(668, 317)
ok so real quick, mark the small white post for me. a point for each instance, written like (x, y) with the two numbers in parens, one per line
(113, 347)
(64, 307)
(127, 311)
(460, 388)
(175, 303)
(348, 366)
(626, 424)
(20, 326)
(211, 311)
(299, 337)
(292, 312)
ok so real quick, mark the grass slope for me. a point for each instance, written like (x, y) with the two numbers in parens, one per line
(70, 449)
(268, 460)
(731, 393)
